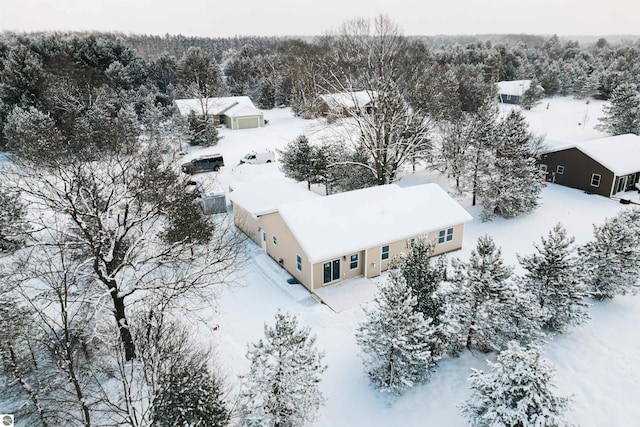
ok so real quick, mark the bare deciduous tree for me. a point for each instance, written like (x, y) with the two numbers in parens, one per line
(115, 215)
(374, 59)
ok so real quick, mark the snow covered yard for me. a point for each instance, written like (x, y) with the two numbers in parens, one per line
(597, 364)
(564, 118)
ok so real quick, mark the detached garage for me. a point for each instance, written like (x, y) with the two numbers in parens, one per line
(243, 117)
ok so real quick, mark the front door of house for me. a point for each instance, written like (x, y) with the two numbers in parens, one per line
(622, 184)
(331, 271)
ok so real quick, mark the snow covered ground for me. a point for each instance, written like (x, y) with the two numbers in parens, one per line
(598, 364)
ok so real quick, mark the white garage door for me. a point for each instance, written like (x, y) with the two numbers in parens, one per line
(248, 122)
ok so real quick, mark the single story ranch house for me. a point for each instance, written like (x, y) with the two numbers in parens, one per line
(344, 104)
(323, 240)
(235, 112)
(603, 166)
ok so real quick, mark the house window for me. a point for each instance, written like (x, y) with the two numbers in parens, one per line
(595, 180)
(299, 262)
(354, 261)
(560, 169)
(412, 242)
(275, 240)
(543, 167)
(445, 235)
(385, 252)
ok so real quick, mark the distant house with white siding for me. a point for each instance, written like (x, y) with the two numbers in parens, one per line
(324, 240)
(343, 104)
(235, 112)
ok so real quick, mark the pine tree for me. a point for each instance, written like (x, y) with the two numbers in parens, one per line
(518, 392)
(513, 182)
(485, 309)
(202, 130)
(622, 115)
(532, 96)
(299, 161)
(190, 395)
(200, 75)
(553, 275)
(612, 260)
(481, 147)
(396, 339)
(32, 134)
(423, 274)
(13, 225)
(454, 153)
(282, 386)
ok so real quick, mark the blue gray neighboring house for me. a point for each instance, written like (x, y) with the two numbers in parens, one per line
(510, 92)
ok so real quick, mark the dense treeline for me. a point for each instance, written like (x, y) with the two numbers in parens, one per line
(293, 71)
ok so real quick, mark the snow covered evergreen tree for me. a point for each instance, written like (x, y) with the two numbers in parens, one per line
(485, 309)
(282, 386)
(612, 260)
(622, 115)
(32, 134)
(396, 339)
(481, 149)
(190, 395)
(518, 392)
(513, 182)
(202, 130)
(453, 152)
(297, 160)
(13, 224)
(532, 96)
(200, 76)
(424, 275)
(553, 275)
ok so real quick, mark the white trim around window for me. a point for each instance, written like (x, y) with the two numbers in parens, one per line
(445, 236)
(354, 261)
(595, 180)
(384, 253)
(560, 169)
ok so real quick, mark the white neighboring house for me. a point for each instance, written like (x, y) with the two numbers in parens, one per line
(511, 91)
(324, 240)
(346, 103)
(235, 112)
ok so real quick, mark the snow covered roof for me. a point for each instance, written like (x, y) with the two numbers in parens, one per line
(262, 196)
(241, 110)
(348, 222)
(348, 100)
(620, 154)
(513, 87)
(214, 106)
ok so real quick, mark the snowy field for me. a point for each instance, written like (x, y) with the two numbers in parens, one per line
(597, 364)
